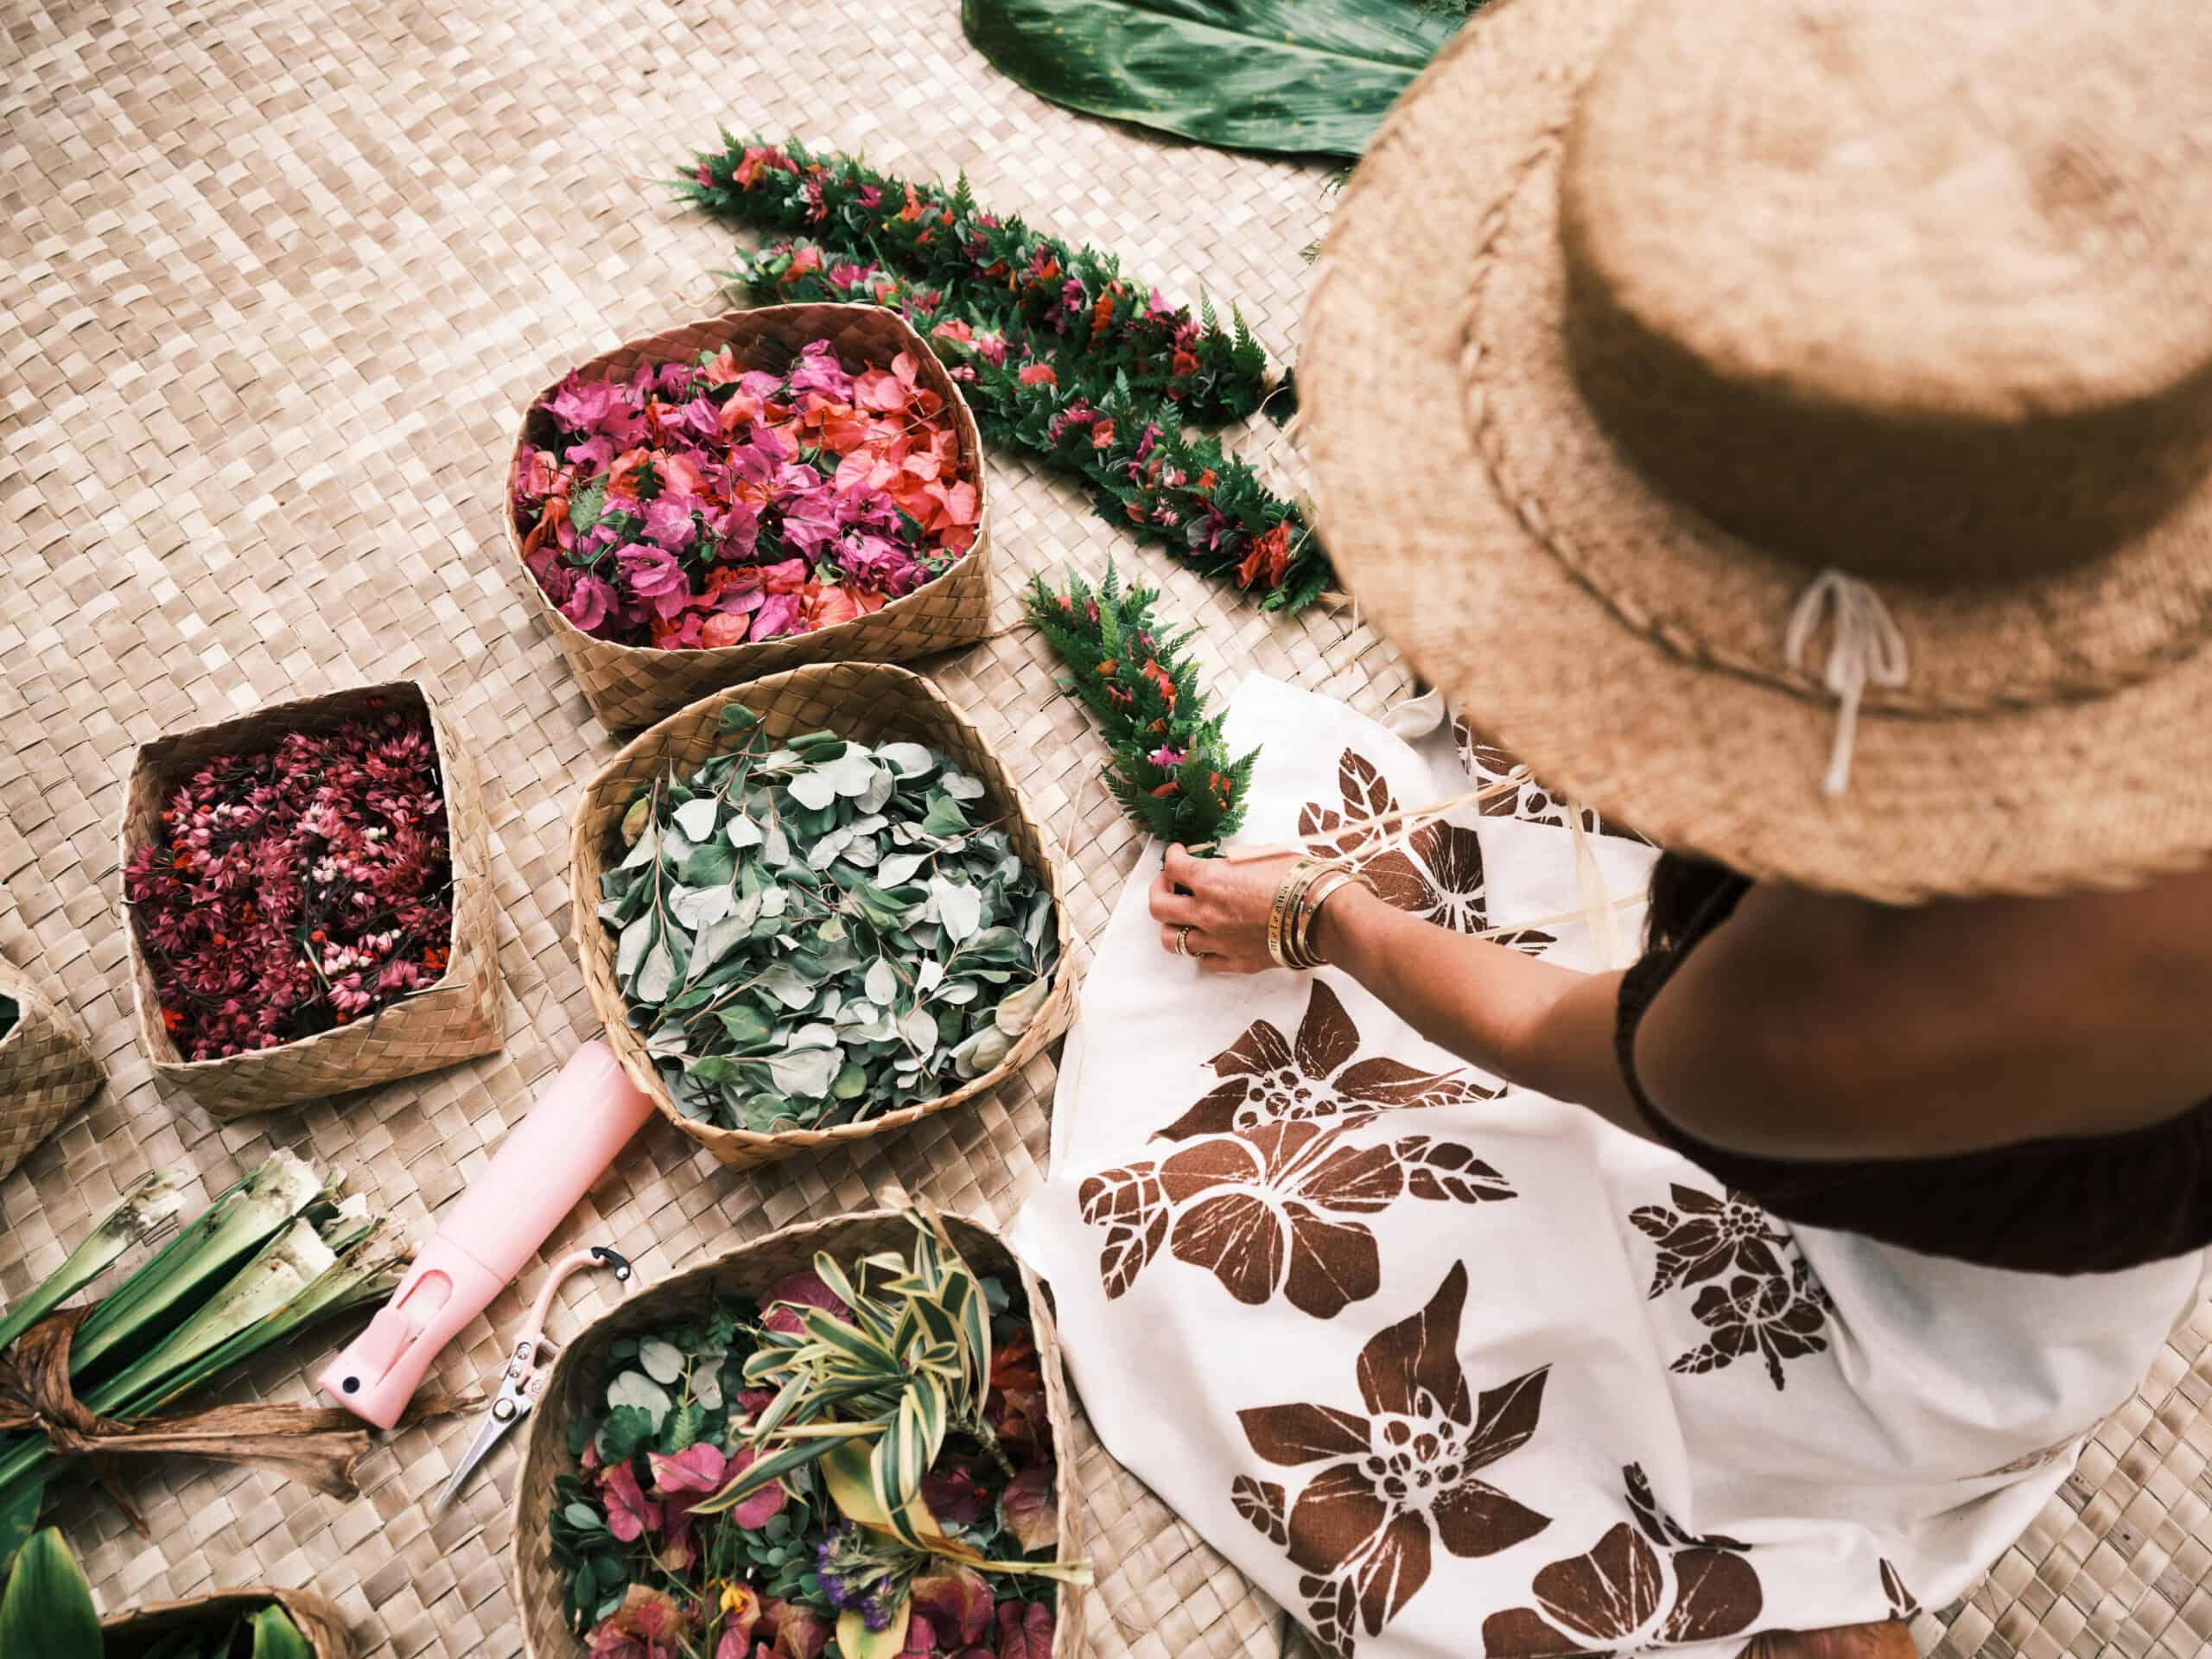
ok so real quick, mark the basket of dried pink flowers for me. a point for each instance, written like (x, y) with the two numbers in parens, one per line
(745, 495)
(309, 898)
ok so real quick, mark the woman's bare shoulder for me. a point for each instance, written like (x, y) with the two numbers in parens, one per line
(1817, 1026)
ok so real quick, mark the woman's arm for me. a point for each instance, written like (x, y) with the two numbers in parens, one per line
(1529, 1021)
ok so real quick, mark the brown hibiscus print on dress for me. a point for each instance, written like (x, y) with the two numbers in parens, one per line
(1703, 1236)
(1761, 1297)
(1902, 1602)
(1268, 1079)
(1435, 872)
(1275, 1212)
(1395, 1478)
(1647, 1582)
(1486, 763)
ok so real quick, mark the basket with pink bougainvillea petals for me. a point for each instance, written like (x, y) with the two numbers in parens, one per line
(630, 685)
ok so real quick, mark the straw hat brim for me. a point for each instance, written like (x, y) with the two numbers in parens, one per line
(2070, 792)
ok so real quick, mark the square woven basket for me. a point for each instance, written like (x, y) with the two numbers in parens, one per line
(47, 1068)
(747, 1271)
(872, 703)
(140, 1631)
(628, 686)
(451, 1020)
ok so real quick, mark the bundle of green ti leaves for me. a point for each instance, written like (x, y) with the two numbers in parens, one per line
(278, 1251)
(816, 932)
(47, 1613)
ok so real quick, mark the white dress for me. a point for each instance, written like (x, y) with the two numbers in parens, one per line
(1451, 1369)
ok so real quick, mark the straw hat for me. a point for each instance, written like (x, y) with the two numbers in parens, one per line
(1786, 427)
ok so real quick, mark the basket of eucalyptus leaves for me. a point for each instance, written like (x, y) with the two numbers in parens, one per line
(848, 1440)
(814, 908)
(48, 1612)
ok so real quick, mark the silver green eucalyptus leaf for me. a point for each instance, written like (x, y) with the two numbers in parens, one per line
(882, 983)
(919, 1029)
(959, 909)
(630, 950)
(663, 1361)
(655, 976)
(743, 832)
(962, 787)
(982, 1051)
(697, 906)
(813, 790)
(907, 760)
(1015, 1014)
(697, 818)
(897, 868)
(806, 1073)
(636, 1388)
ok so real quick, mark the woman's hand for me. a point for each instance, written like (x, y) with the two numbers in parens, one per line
(1223, 907)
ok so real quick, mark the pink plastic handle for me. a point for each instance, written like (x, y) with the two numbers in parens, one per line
(485, 1235)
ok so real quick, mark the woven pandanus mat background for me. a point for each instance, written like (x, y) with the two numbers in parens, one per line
(276, 280)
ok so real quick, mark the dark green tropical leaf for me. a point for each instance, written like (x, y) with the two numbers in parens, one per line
(1306, 77)
(48, 1608)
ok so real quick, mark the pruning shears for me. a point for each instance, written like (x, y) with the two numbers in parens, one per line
(523, 1380)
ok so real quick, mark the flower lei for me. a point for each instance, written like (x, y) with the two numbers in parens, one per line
(1171, 770)
(1061, 355)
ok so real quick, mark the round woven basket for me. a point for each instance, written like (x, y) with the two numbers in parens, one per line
(747, 1270)
(871, 703)
(630, 685)
(47, 1068)
(453, 1020)
(129, 1634)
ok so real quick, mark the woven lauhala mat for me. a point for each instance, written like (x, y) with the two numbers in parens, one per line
(273, 282)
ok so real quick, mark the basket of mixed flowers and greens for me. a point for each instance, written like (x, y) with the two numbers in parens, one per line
(846, 1440)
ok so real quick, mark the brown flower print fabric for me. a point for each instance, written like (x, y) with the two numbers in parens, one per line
(1758, 1294)
(1435, 872)
(1268, 1078)
(1276, 1211)
(1486, 763)
(1385, 1484)
(1646, 1580)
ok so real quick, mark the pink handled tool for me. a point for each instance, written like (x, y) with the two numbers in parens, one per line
(542, 1168)
(524, 1378)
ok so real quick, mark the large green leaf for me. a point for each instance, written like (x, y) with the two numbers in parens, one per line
(1306, 77)
(275, 1636)
(48, 1608)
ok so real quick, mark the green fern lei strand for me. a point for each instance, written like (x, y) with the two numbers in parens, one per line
(1125, 370)
(1171, 770)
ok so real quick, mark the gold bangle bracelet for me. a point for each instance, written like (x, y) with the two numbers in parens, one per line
(1330, 882)
(1294, 884)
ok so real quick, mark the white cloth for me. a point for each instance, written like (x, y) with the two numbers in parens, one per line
(1450, 1370)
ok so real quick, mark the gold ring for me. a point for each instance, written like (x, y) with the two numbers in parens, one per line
(1183, 941)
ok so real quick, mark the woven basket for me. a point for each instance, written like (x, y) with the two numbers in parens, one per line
(127, 1635)
(47, 1068)
(870, 703)
(457, 1017)
(747, 1270)
(630, 685)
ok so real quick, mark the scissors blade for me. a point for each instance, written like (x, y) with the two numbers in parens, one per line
(490, 1434)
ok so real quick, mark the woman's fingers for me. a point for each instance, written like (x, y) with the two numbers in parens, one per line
(1171, 942)
(1170, 906)
(1181, 868)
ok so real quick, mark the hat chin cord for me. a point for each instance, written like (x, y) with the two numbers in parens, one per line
(1864, 647)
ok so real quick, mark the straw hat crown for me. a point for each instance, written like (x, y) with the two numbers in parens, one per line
(1968, 321)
